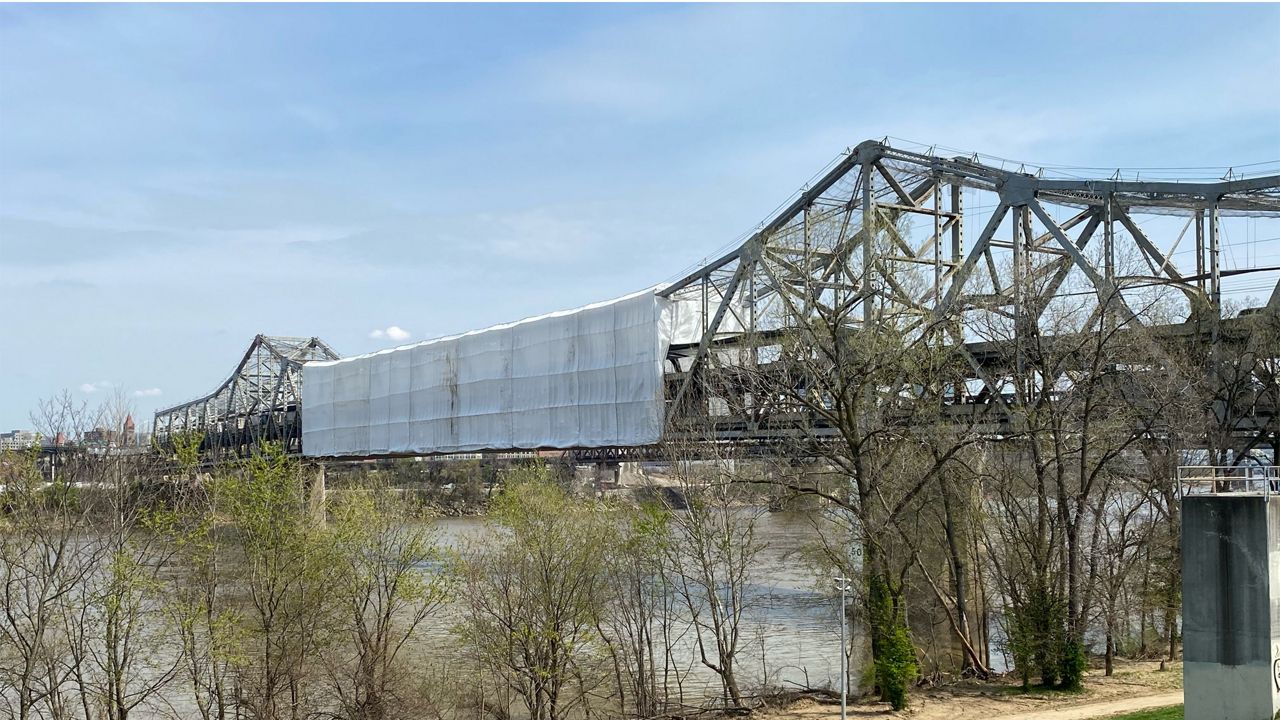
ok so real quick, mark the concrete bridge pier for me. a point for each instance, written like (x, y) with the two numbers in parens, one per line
(1231, 606)
(608, 473)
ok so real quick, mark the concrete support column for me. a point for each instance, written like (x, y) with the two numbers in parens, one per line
(1231, 606)
(607, 473)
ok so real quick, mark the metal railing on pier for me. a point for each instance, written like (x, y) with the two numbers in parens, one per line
(1228, 480)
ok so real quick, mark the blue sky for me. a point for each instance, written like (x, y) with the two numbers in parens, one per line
(177, 178)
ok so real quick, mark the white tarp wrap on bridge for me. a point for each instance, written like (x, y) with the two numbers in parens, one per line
(590, 377)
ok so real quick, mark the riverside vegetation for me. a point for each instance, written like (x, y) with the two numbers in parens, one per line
(136, 586)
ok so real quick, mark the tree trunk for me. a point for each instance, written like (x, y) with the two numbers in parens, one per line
(1110, 649)
(958, 571)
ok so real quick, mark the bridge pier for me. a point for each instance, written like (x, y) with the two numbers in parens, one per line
(1231, 605)
(607, 473)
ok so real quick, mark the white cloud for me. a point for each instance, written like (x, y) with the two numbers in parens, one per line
(391, 333)
(93, 387)
(147, 392)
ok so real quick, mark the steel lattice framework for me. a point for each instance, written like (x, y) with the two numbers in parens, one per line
(258, 403)
(886, 233)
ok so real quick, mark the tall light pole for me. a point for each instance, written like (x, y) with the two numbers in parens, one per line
(842, 584)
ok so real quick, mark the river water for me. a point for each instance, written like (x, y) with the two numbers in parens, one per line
(792, 632)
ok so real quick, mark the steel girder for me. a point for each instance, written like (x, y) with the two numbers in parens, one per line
(259, 402)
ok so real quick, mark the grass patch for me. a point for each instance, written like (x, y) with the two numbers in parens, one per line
(1169, 713)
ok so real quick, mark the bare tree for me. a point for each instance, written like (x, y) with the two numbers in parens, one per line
(391, 580)
(287, 567)
(535, 592)
(713, 558)
(639, 626)
(203, 611)
(47, 556)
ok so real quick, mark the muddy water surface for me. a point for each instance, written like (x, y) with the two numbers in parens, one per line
(793, 631)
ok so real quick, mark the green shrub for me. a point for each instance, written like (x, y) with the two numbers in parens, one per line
(895, 656)
(896, 666)
(1041, 644)
(1072, 664)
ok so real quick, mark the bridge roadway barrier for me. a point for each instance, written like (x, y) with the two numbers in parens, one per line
(1231, 602)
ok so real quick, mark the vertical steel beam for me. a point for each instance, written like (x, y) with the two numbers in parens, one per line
(706, 306)
(1200, 250)
(1109, 259)
(957, 256)
(937, 237)
(1019, 270)
(751, 318)
(810, 302)
(1021, 219)
(957, 225)
(1215, 269)
(1109, 238)
(868, 298)
(1216, 452)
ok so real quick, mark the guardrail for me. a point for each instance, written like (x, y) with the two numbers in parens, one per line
(1228, 480)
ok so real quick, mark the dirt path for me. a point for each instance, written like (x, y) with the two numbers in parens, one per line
(1089, 711)
(1135, 686)
(987, 709)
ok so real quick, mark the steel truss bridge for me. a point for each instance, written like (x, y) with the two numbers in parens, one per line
(936, 245)
(260, 402)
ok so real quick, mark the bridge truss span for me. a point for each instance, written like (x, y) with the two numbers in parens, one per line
(981, 259)
(260, 402)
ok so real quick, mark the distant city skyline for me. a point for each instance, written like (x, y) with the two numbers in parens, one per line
(176, 179)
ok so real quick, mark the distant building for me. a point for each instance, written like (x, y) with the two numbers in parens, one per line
(126, 436)
(129, 435)
(18, 440)
(99, 436)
